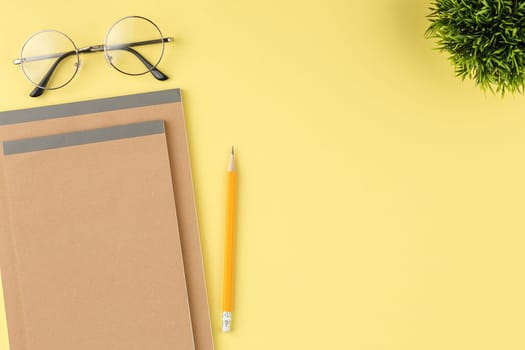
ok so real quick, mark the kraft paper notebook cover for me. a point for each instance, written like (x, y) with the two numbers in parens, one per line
(94, 241)
(166, 105)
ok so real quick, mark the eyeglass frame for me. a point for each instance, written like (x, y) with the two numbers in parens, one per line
(41, 87)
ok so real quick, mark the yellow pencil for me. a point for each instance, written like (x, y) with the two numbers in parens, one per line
(229, 245)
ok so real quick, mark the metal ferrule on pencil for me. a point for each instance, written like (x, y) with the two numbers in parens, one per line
(226, 321)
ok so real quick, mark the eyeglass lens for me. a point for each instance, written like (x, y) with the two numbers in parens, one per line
(43, 51)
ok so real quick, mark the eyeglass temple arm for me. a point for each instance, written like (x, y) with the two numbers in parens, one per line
(95, 48)
(140, 43)
(154, 71)
(39, 90)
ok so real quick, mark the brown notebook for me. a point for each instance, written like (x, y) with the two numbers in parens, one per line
(94, 241)
(166, 105)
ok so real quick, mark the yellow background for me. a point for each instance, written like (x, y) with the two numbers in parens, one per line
(381, 199)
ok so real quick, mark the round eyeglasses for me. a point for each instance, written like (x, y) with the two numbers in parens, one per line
(50, 59)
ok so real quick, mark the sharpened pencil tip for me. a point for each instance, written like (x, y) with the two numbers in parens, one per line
(231, 164)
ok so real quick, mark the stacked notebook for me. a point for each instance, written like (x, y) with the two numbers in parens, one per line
(99, 243)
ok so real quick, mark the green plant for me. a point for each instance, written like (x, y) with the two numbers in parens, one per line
(485, 40)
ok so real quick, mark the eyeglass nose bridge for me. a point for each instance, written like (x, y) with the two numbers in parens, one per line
(93, 48)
